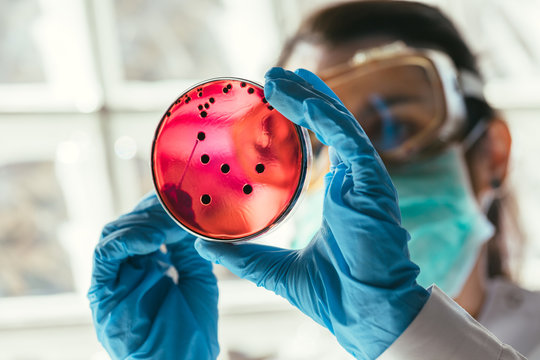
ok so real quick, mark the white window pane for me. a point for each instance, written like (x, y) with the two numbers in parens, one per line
(32, 208)
(20, 61)
(131, 141)
(524, 184)
(54, 200)
(152, 50)
(167, 39)
(46, 62)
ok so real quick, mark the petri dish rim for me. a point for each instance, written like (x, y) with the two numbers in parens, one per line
(298, 193)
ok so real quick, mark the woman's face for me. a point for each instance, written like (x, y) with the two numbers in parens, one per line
(489, 156)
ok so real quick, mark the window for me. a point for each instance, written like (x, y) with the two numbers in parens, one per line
(83, 85)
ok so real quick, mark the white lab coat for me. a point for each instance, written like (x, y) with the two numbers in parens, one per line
(512, 314)
(443, 330)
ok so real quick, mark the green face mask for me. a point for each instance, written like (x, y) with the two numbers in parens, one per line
(446, 224)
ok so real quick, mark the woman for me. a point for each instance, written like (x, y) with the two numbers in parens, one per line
(355, 276)
(372, 52)
(369, 52)
(388, 41)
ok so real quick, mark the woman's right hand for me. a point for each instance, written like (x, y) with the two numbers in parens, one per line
(147, 304)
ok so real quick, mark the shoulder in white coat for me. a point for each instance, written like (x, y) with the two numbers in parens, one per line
(513, 315)
(443, 330)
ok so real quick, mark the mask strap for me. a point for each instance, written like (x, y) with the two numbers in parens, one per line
(475, 134)
(473, 86)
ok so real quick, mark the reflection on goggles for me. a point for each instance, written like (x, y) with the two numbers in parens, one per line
(390, 132)
(403, 102)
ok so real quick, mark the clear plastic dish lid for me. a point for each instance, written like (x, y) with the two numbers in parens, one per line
(226, 165)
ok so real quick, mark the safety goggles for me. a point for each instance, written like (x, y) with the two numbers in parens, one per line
(410, 102)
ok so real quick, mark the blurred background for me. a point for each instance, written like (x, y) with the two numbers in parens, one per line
(83, 84)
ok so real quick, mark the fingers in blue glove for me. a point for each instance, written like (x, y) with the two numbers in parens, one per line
(140, 232)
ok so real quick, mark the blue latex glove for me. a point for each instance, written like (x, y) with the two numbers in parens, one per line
(355, 277)
(139, 312)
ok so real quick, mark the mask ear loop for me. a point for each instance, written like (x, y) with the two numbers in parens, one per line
(497, 186)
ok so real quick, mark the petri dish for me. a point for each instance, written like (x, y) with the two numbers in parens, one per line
(226, 165)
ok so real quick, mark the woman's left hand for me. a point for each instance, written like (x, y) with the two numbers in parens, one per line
(355, 277)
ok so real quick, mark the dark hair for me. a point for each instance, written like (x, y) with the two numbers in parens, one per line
(418, 25)
(415, 23)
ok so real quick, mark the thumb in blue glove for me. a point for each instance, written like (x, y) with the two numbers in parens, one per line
(355, 277)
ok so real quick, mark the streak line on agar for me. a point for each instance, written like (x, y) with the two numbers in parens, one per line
(188, 161)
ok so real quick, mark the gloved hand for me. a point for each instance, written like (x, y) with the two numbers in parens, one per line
(355, 276)
(139, 311)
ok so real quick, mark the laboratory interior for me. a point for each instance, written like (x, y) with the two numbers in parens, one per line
(85, 83)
